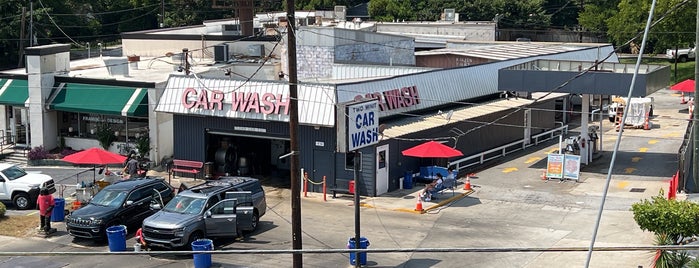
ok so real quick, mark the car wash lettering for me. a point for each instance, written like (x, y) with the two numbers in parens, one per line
(249, 102)
(395, 98)
(365, 130)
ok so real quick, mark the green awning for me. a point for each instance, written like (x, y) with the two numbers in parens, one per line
(100, 99)
(13, 92)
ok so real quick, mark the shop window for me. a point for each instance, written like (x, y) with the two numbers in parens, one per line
(85, 125)
(349, 161)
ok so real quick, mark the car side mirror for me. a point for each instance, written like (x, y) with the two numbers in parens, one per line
(208, 214)
(155, 206)
(128, 203)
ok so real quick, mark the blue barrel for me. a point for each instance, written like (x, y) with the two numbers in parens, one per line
(116, 236)
(58, 213)
(363, 244)
(202, 260)
(408, 180)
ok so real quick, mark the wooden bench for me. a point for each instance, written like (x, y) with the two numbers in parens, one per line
(187, 166)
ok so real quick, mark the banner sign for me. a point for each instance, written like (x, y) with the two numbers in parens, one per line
(554, 166)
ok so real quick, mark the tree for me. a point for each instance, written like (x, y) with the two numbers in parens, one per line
(676, 219)
(676, 28)
(594, 16)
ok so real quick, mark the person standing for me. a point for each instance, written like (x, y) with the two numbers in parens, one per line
(132, 167)
(45, 203)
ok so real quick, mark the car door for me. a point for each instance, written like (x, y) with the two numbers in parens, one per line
(137, 206)
(220, 219)
(243, 209)
(258, 197)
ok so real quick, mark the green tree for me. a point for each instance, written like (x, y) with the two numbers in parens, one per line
(676, 28)
(676, 219)
(594, 16)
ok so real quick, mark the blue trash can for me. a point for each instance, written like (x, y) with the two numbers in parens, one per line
(58, 213)
(363, 244)
(116, 235)
(202, 260)
(408, 180)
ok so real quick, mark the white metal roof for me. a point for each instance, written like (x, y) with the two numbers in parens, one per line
(505, 51)
(416, 124)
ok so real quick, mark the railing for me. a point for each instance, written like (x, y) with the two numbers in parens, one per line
(482, 157)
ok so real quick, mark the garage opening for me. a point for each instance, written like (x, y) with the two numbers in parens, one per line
(258, 157)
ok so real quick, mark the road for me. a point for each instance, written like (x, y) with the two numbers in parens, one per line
(511, 207)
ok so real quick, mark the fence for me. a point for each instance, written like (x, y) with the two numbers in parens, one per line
(482, 157)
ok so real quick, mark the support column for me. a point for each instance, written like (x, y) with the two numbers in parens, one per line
(584, 136)
(43, 64)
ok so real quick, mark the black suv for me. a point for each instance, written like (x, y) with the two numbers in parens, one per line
(125, 202)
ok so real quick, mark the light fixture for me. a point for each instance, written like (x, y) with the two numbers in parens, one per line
(70, 129)
(116, 133)
(92, 131)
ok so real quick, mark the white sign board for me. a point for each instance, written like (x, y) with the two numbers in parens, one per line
(362, 125)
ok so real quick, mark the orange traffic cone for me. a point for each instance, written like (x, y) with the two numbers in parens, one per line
(418, 205)
(76, 204)
(467, 184)
(543, 175)
(646, 124)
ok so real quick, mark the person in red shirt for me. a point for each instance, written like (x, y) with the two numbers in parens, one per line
(140, 239)
(45, 203)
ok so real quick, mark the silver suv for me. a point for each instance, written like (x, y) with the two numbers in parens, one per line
(222, 208)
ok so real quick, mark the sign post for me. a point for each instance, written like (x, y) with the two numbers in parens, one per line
(360, 120)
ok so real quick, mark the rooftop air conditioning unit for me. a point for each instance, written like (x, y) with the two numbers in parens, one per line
(257, 50)
(221, 53)
(340, 13)
(230, 29)
(449, 14)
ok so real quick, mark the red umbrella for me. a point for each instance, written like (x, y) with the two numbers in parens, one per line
(432, 149)
(95, 156)
(686, 86)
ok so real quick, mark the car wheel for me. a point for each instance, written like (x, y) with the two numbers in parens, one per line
(194, 237)
(21, 201)
(255, 221)
(683, 58)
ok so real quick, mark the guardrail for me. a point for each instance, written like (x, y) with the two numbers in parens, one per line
(482, 157)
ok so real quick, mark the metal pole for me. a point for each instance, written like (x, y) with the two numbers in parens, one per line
(293, 136)
(357, 161)
(695, 126)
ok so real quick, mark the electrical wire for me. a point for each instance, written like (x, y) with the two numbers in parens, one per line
(59, 28)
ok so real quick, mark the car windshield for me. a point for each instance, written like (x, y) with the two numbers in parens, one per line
(14, 172)
(109, 198)
(185, 205)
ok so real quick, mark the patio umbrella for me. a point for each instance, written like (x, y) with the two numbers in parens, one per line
(686, 86)
(432, 149)
(95, 156)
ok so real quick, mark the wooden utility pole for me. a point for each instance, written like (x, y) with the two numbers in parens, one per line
(695, 115)
(293, 136)
(20, 63)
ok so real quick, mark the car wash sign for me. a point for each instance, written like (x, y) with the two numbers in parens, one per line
(361, 125)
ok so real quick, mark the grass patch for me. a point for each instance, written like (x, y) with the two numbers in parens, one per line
(685, 70)
(19, 225)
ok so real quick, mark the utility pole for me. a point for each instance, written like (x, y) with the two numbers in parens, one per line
(20, 63)
(31, 23)
(293, 136)
(695, 115)
(162, 13)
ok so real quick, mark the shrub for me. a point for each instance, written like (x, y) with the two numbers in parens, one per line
(67, 152)
(3, 209)
(39, 152)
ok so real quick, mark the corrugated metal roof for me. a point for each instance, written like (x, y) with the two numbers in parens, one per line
(504, 51)
(316, 101)
(416, 124)
(349, 71)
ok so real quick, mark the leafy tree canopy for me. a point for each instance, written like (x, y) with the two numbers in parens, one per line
(671, 217)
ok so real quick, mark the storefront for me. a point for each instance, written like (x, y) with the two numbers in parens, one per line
(14, 96)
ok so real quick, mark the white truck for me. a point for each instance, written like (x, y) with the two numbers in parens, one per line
(683, 54)
(22, 187)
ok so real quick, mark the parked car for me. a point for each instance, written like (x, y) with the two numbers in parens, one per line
(222, 208)
(22, 187)
(125, 202)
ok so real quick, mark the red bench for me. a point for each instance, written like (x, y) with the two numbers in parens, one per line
(187, 166)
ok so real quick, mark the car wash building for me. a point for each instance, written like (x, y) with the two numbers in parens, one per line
(241, 127)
